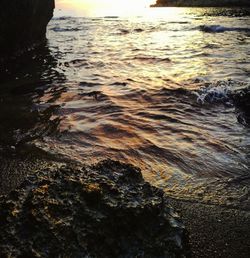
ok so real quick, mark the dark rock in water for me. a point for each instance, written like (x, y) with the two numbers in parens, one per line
(23, 24)
(241, 100)
(106, 210)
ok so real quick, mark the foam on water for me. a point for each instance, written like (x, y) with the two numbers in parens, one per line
(220, 92)
(214, 93)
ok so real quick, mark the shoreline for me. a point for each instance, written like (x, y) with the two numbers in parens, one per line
(55, 199)
(214, 230)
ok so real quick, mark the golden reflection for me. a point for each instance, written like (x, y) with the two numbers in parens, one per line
(103, 7)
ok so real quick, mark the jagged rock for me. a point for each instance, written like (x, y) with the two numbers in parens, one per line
(241, 99)
(23, 24)
(106, 210)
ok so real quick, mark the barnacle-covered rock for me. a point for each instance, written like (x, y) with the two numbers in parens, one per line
(106, 210)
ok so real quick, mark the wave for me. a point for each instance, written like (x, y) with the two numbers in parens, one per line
(231, 94)
(213, 94)
(212, 46)
(179, 22)
(218, 92)
(75, 63)
(221, 91)
(152, 59)
(89, 84)
(138, 30)
(119, 84)
(224, 92)
(59, 29)
(126, 31)
(61, 18)
(221, 29)
(111, 17)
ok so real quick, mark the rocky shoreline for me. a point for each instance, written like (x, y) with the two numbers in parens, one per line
(106, 210)
(50, 207)
(60, 197)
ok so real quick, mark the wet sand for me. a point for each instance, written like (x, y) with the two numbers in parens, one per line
(215, 231)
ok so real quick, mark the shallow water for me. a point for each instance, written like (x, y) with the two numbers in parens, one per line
(150, 90)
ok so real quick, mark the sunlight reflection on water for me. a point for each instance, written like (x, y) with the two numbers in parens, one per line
(99, 8)
(131, 93)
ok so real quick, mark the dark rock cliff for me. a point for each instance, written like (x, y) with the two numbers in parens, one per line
(23, 24)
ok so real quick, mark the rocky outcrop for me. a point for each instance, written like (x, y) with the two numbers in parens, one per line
(106, 210)
(201, 3)
(23, 24)
(241, 99)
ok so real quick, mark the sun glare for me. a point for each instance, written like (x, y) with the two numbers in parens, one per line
(118, 7)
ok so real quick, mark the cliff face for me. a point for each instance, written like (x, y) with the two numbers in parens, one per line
(201, 3)
(23, 24)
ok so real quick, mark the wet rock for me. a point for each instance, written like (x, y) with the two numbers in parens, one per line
(241, 100)
(106, 210)
(23, 24)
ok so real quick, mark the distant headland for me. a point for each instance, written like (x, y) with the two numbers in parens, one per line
(201, 3)
(23, 24)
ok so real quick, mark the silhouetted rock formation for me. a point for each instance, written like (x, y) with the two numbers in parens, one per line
(201, 3)
(23, 24)
(106, 210)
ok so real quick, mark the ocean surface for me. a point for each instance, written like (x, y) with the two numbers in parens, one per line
(152, 90)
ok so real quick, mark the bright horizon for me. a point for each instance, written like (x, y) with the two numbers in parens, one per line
(99, 7)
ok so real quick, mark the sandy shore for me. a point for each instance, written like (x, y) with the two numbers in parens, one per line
(215, 231)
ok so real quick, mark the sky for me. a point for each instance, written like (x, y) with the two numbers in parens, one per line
(105, 7)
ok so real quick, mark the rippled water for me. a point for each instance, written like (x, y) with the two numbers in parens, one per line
(150, 90)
